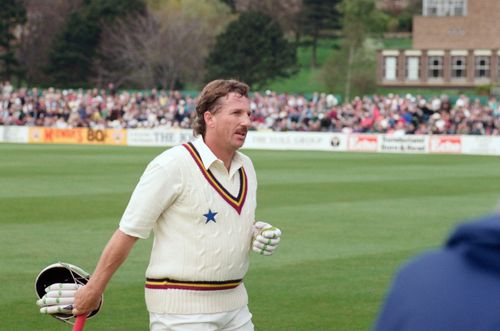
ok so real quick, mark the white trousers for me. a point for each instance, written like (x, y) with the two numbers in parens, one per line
(235, 320)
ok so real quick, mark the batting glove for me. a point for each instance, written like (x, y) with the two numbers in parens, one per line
(266, 238)
(59, 298)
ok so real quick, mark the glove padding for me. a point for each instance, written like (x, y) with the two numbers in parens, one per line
(266, 238)
(59, 298)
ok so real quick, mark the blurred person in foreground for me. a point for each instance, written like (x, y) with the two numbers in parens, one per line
(455, 288)
(199, 200)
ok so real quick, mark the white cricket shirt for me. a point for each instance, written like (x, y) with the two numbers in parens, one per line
(201, 216)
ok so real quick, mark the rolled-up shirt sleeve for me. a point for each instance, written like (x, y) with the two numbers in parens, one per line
(157, 189)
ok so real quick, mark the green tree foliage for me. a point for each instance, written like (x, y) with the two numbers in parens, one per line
(71, 58)
(285, 12)
(252, 49)
(231, 4)
(360, 19)
(356, 78)
(317, 17)
(401, 17)
(12, 15)
(355, 61)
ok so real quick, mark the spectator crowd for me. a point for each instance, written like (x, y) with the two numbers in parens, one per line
(390, 114)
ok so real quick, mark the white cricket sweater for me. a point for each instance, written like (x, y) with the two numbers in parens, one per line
(202, 224)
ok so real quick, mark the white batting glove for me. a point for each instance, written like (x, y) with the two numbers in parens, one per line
(266, 238)
(59, 298)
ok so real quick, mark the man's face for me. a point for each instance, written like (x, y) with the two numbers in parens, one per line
(229, 124)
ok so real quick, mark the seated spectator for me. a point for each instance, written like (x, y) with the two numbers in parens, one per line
(387, 114)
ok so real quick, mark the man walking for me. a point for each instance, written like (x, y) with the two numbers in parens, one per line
(199, 200)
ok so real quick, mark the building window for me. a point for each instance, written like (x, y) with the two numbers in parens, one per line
(444, 8)
(435, 67)
(412, 68)
(390, 67)
(458, 67)
(482, 67)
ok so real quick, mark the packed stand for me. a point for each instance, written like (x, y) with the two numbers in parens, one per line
(390, 114)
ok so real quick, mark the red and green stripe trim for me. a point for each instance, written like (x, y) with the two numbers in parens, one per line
(166, 284)
(236, 202)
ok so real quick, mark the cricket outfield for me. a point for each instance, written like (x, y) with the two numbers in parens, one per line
(348, 221)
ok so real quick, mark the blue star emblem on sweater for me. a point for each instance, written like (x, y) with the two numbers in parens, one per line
(210, 216)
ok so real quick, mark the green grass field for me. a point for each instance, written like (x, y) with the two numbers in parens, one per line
(349, 220)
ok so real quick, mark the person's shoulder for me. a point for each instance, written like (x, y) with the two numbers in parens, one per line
(171, 156)
(429, 264)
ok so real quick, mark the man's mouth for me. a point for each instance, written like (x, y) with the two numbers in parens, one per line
(241, 133)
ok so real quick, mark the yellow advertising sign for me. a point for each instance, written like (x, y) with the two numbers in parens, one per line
(43, 135)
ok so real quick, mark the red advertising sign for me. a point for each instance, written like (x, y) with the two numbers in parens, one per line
(445, 144)
(363, 143)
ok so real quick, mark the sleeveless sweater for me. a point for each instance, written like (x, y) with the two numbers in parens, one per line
(201, 216)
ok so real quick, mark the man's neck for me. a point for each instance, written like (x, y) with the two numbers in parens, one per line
(225, 155)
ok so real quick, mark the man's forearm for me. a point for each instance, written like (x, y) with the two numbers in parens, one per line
(116, 251)
(113, 255)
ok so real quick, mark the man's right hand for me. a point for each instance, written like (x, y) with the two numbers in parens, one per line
(87, 299)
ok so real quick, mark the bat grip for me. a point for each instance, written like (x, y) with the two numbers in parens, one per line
(79, 323)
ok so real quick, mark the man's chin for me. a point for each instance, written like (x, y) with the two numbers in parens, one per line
(239, 141)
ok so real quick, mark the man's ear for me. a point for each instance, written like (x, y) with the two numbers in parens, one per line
(209, 119)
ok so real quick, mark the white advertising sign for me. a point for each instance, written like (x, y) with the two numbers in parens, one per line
(338, 142)
(15, 134)
(484, 145)
(295, 141)
(403, 144)
(1, 133)
(158, 137)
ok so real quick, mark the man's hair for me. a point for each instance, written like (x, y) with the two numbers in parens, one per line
(209, 100)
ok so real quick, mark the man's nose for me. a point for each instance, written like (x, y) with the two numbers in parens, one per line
(246, 120)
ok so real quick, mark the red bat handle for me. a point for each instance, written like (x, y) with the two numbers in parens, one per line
(79, 323)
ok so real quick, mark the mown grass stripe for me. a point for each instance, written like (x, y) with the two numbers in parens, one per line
(348, 221)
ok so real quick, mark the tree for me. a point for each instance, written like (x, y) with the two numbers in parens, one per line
(360, 20)
(317, 17)
(72, 56)
(12, 16)
(252, 49)
(231, 4)
(353, 73)
(401, 14)
(167, 45)
(285, 12)
(45, 21)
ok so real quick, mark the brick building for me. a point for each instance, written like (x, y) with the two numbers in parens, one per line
(456, 44)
